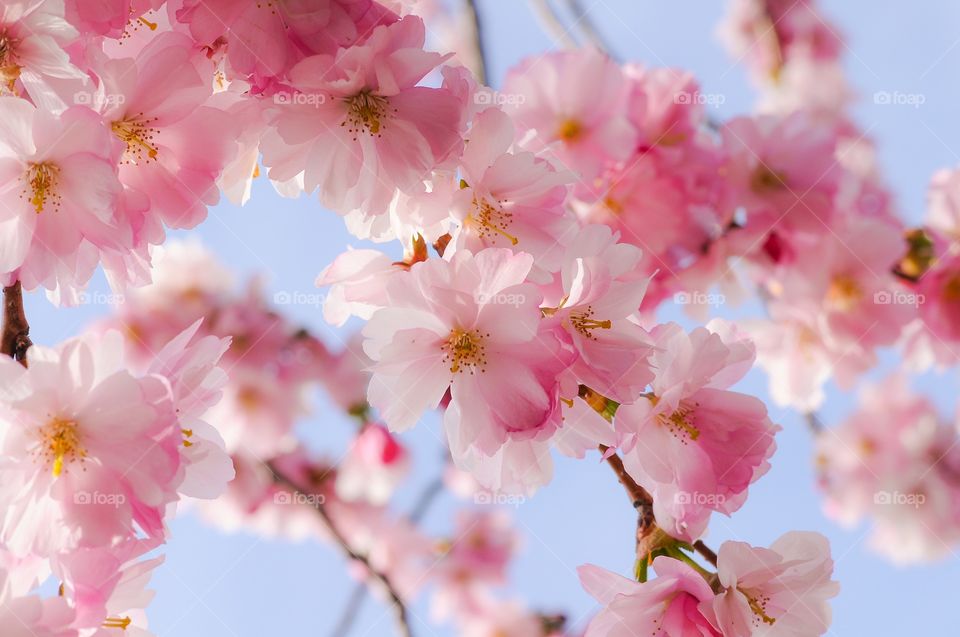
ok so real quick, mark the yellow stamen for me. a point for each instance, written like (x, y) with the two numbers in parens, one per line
(187, 433)
(677, 422)
(366, 112)
(42, 183)
(570, 130)
(117, 622)
(138, 136)
(584, 322)
(759, 607)
(465, 350)
(60, 443)
(844, 292)
(491, 219)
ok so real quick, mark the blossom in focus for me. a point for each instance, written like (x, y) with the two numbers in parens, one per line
(781, 591)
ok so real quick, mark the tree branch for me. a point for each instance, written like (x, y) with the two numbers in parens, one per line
(399, 608)
(15, 340)
(479, 49)
(585, 24)
(707, 553)
(427, 497)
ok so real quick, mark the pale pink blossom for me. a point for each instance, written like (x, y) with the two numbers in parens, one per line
(33, 616)
(674, 604)
(88, 450)
(782, 591)
(375, 465)
(695, 445)
(58, 176)
(575, 104)
(358, 127)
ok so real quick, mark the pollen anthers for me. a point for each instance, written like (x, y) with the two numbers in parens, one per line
(677, 422)
(138, 135)
(117, 622)
(41, 185)
(187, 435)
(60, 444)
(844, 292)
(758, 604)
(367, 113)
(570, 130)
(464, 350)
(491, 220)
(584, 322)
(9, 69)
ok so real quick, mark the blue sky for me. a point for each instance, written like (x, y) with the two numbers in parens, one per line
(243, 586)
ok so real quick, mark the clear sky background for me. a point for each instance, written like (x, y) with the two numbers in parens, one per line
(240, 585)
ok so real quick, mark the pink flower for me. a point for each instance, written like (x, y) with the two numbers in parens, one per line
(695, 445)
(509, 199)
(58, 176)
(601, 290)
(374, 467)
(502, 619)
(35, 37)
(32, 616)
(780, 592)
(176, 145)
(575, 104)
(87, 450)
(784, 171)
(943, 203)
(265, 41)
(357, 279)
(675, 604)
(896, 462)
(472, 326)
(472, 562)
(358, 126)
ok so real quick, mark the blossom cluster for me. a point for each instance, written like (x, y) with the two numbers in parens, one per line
(525, 244)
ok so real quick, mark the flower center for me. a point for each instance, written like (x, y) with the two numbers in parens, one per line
(491, 220)
(766, 179)
(9, 69)
(138, 135)
(844, 292)
(570, 130)
(366, 112)
(678, 423)
(60, 444)
(41, 185)
(758, 604)
(951, 289)
(465, 350)
(583, 322)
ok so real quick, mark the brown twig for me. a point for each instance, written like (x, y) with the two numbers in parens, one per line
(813, 422)
(480, 51)
(355, 602)
(704, 550)
(16, 330)
(552, 24)
(399, 607)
